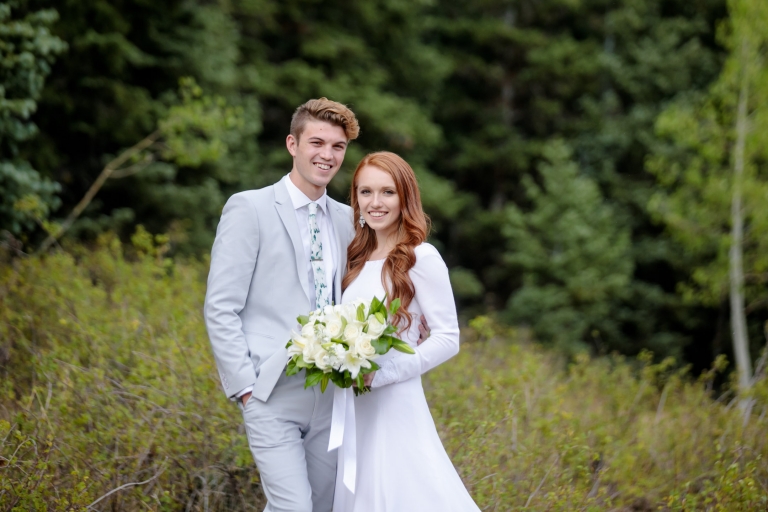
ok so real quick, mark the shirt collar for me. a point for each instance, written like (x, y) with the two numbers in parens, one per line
(299, 199)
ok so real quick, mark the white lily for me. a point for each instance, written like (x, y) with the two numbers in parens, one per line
(298, 344)
(354, 363)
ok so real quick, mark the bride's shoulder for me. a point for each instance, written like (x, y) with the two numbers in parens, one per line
(427, 253)
(429, 267)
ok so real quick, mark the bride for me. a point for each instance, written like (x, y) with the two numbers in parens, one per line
(390, 456)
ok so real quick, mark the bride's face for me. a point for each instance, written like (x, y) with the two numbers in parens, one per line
(378, 199)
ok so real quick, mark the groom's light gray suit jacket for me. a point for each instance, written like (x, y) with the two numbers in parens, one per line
(258, 285)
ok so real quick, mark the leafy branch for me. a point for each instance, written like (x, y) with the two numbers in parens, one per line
(190, 135)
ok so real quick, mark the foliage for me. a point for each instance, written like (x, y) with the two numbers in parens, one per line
(264, 57)
(107, 380)
(594, 74)
(116, 83)
(694, 167)
(527, 431)
(195, 131)
(108, 386)
(574, 255)
(27, 50)
(470, 93)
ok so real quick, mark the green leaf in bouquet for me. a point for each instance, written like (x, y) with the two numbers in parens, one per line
(303, 320)
(360, 381)
(394, 306)
(347, 379)
(324, 382)
(402, 346)
(300, 363)
(343, 323)
(337, 378)
(383, 308)
(380, 346)
(313, 378)
(380, 317)
(373, 367)
(387, 339)
(361, 313)
(375, 305)
(340, 342)
(291, 368)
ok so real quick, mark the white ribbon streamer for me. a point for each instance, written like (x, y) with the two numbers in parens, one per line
(344, 435)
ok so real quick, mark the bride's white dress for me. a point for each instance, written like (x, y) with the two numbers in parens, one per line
(401, 465)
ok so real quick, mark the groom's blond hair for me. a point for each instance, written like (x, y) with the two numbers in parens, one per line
(323, 109)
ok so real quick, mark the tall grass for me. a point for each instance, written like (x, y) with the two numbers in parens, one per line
(109, 398)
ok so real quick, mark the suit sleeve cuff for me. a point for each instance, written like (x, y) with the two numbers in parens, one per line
(245, 390)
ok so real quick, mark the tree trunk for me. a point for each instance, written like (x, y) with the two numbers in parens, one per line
(736, 270)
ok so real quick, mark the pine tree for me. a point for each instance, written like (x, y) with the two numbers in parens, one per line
(27, 50)
(574, 255)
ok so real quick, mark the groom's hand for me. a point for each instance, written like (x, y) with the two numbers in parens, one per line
(423, 330)
(245, 398)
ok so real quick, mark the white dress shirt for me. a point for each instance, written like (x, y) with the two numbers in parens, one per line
(328, 239)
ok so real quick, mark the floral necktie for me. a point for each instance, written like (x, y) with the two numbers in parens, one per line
(316, 257)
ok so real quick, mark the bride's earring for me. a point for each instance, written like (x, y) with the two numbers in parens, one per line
(361, 220)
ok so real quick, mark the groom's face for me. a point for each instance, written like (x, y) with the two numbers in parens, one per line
(317, 156)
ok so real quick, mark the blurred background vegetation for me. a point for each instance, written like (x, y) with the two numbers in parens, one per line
(578, 158)
(531, 125)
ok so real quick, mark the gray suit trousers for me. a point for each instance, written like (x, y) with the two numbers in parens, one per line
(288, 436)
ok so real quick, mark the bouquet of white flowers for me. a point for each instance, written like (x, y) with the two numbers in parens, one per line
(340, 343)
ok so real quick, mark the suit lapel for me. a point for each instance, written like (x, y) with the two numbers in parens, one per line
(340, 228)
(287, 214)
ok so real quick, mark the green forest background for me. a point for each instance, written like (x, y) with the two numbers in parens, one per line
(597, 174)
(534, 128)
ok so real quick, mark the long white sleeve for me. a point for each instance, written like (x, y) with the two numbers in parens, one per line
(435, 298)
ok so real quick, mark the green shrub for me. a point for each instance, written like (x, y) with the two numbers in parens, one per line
(526, 430)
(109, 395)
(107, 373)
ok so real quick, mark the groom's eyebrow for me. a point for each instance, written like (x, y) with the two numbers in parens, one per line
(320, 139)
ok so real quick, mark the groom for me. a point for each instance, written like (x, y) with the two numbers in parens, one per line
(280, 252)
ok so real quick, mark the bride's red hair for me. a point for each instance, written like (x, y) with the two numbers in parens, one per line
(413, 227)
